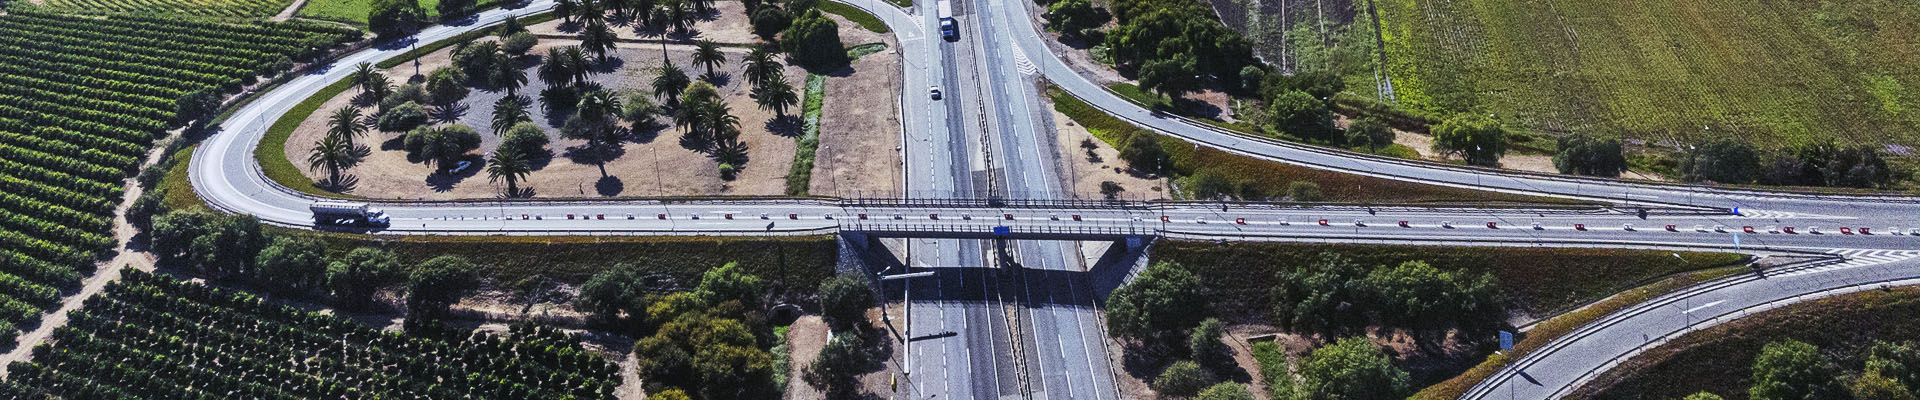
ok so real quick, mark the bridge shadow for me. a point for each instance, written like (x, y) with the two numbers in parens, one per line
(1008, 282)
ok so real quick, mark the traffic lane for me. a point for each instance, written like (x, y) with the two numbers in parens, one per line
(1570, 360)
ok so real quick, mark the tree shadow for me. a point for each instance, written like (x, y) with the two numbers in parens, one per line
(718, 78)
(540, 159)
(646, 132)
(785, 126)
(450, 113)
(609, 65)
(398, 142)
(443, 178)
(523, 193)
(569, 26)
(1196, 108)
(396, 44)
(594, 155)
(463, 20)
(338, 184)
(609, 186)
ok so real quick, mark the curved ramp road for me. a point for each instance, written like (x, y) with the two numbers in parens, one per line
(943, 154)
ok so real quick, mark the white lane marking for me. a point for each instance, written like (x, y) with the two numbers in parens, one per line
(1702, 307)
(1644, 196)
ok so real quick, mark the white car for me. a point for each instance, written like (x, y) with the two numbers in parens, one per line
(934, 92)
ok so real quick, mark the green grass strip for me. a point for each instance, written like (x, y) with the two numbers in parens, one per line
(801, 176)
(420, 51)
(180, 195)
(273, 147)
(858, 16)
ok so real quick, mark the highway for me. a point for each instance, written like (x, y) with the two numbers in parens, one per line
(989, 137)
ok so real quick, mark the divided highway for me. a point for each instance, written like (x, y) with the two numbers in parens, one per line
(1001, 145)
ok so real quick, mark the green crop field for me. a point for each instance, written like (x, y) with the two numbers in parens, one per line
(202, 8)
(1773, 72)
(81, 99)
(150, 336)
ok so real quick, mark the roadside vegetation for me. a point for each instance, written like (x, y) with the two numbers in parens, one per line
(1400, 317)
(1856, 346)
(1207, 173)
(197, 8)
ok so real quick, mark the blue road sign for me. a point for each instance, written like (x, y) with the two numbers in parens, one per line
(1002, 231)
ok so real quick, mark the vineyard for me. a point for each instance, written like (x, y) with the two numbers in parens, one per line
(1668, 72)
(81, 99)
(198, 8)
(150, 336)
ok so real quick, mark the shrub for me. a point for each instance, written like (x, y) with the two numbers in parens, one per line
(518, 44)
(1477, 138)
(1590, 155)
(404, 117)
(1183, 379)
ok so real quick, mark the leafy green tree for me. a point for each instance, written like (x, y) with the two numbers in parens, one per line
(1226, 391)
(292, 263)
(844, 300)
(524, 137)
(1351, 369)
(206, 242)
(446, 86)
(1164, 30)
(408, 93)
(1477, 138)
(1303, 191)
(1370, 132)
(149, 204)
(612, 293)
(770, 20)
(1301, 115)
(776, 96)
(1309, 299)
(508, 164)
(1183, 379)
(1857, 167)
(717, 357)
(1205, 346)
(814, 42)
(1073, 17)
(730, 282)
(670, 394)
(1143, 153)
(391, 19)
(1211, 185)
(1164, 299)
(837, 370)
(1793, 370)
(1871, 386)
(1703, 396)
(355, 277)
(1590, 155)
(441, 145)
(1172, 76)
(402, 118)
(196, 106)
(453, 8)
(437, 283)
(517, 44)
(707, 53)
(1417, 294)
(1895, 361)
(638, 109)
(1722, 160)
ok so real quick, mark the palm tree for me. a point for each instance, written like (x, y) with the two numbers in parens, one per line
(566, 9)
(578, 63)
(555, 71)
(507, 163)
(506, 75)
(508, 111)
(678, 14)
(777, 97)
(600, 109)
(331, 154)
(761, 67)
(598, 38)
(671, 82)
(378, 86)
(590, 12)
(703, 6)
(708, 54)
(346, 125)
(363, 75)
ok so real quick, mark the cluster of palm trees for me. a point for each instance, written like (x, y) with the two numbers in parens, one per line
(340, 148)
(678, 15)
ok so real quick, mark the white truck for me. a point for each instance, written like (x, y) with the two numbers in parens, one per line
(949, 29)
(347, 214)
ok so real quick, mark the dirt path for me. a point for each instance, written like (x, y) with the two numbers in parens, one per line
(288, 13)
(108, 271)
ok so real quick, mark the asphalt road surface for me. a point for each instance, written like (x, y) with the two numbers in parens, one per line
(1033, 326)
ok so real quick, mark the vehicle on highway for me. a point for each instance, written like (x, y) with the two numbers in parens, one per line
(934, 92)
(949, 28)
(347, 214)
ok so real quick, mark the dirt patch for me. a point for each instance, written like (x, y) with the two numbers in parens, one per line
(860, 128)
(805, 338)
(1102, 163)
(652, 163)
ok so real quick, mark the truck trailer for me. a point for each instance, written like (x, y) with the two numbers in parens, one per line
(347, 214)
(949, 29)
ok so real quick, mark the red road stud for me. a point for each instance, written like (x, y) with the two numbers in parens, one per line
(1323, 222)
(1403, 224)
(1492, 225)
(1579, 227)
(1241, 221)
